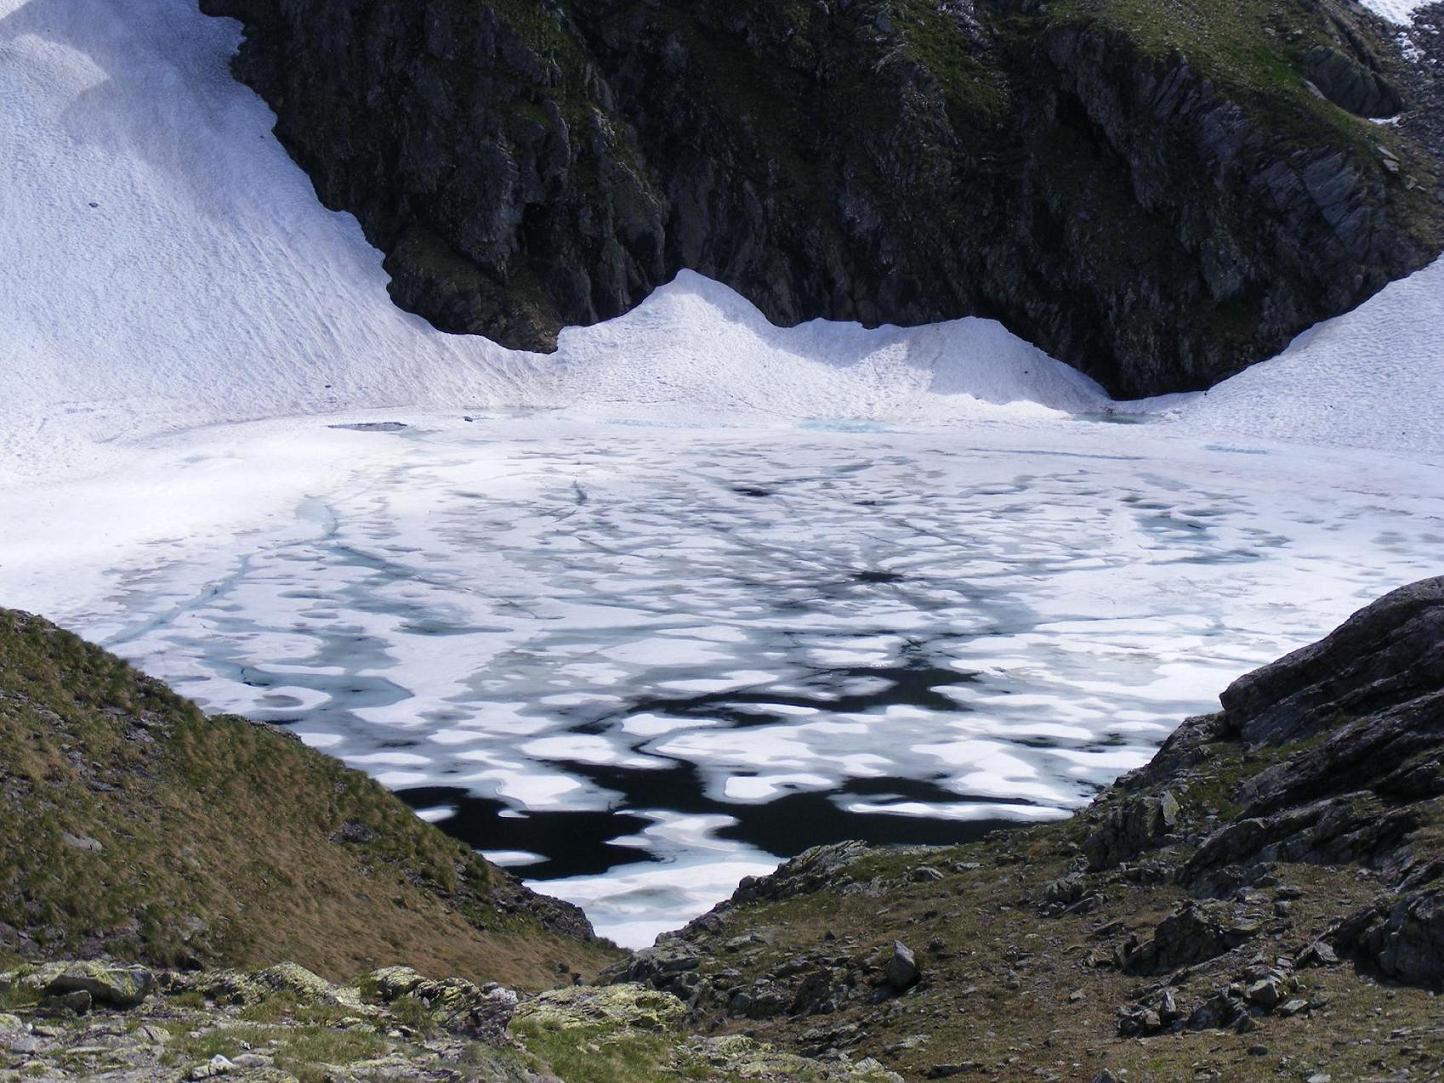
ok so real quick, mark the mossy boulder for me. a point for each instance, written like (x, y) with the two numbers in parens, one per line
(105, 983)
(629, 1006)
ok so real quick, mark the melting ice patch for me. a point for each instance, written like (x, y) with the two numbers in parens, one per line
(637, 662)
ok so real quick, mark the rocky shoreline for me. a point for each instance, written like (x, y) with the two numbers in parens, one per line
(1260, 901)
(1220, 890)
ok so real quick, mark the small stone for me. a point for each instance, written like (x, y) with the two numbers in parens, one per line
(1264, 992)
(1292, 1007)
(1075, 996)
(1168, 1009)
(1319, 1077)
(924, 874)
(81, 842)
(902, 968)
(217, 1065)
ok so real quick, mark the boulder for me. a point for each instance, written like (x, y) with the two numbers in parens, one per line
(107, 984)
(1130, 827)
(1384, 655)
(1193, 933)
(902, 968)
(629, 1006)
(306, 987)
(1404, 941)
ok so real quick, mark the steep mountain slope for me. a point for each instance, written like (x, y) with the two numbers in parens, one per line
(1158, 194)
(133, 826)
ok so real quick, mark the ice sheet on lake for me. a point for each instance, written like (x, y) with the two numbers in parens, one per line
(643, 661)
(753, 588)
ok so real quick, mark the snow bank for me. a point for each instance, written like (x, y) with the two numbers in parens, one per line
(173, 268)
(1373, 378)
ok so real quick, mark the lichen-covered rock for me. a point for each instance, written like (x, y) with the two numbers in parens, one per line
(233, 987)
(664, 966)
(458, 1005)
(628, 1006)
(737, 1057)
(299, 982)
(391, 982)
(109, 984)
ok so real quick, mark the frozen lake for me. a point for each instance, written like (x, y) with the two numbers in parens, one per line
(637, 662)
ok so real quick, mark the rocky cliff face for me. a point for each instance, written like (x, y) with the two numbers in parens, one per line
(1157, 195)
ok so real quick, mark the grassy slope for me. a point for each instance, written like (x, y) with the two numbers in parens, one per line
(223, 842)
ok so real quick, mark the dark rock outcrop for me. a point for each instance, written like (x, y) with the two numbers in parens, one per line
(1158, 216)
(1194, 933)
(1349, 735)
(1350, 85)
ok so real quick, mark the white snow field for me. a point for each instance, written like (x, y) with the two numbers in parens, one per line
(1396, 11)
(644, 616)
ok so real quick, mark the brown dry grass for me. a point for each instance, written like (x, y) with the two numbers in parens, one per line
(226, 843)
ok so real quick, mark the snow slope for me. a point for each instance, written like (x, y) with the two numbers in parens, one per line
(1373, 378)
(1397, 11)
(175, 269)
